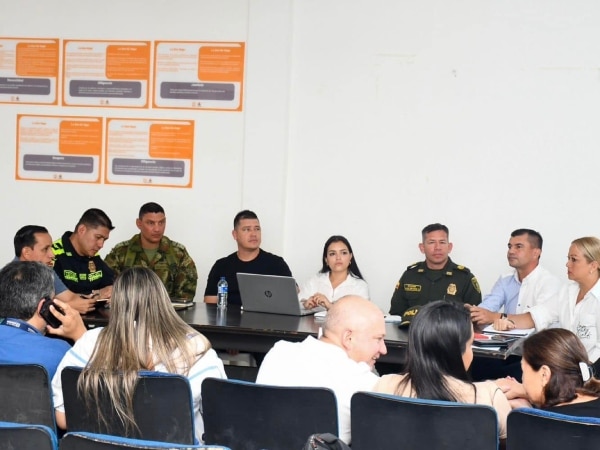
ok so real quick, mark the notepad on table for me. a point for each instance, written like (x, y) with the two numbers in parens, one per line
(522, 332)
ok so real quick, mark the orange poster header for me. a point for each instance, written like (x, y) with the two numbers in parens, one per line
(173, 141)
(77, 137)
(218, 63)
(37, 59)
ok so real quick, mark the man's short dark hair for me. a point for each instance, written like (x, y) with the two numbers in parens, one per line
(25, 237)
(22, 285)
(94, 218)
(150, 207)
(534, 238)
(245, 214)
(434, 227)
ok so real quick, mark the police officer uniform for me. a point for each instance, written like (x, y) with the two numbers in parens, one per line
(81, 274)
(420, 285)
(171, 262)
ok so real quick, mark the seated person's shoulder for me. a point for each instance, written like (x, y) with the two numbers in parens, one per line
(121, 246)
(388, 384)
(462, 269)
(232, 257)
(268, 255)
(415, 266)
(222, 264)
(414, 269)
(175, 247)
(57, 246)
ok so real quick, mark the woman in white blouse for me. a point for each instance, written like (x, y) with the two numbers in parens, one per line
(338, 277)
(577, 305)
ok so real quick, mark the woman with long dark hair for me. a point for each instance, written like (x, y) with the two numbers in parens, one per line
(339, 276)
(438, 359)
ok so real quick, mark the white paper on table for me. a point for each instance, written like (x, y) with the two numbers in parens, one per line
(516, 332)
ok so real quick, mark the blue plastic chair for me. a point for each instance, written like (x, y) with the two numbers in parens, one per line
(93, 441)
(162, 403)
(250, 416)
(535, 429)
(27, 437)
(389, 422)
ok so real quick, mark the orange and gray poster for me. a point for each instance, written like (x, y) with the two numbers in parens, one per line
(53, 148)
(106, 73)
(29, 71)
(199, 75)
(149, 152)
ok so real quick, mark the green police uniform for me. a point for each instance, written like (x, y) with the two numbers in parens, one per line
(171, 263)
(420, 285)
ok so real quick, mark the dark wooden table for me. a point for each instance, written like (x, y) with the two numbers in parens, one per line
(257, 332)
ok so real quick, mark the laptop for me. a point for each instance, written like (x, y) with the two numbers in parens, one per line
(271, 294)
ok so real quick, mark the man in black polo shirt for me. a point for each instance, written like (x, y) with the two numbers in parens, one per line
(249, 258)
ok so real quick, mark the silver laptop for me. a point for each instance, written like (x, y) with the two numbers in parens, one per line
(271, 294)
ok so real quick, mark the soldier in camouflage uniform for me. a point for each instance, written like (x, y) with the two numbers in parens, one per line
(151, 248)
(436, 278)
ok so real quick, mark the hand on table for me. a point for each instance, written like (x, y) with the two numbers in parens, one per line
(316, 300)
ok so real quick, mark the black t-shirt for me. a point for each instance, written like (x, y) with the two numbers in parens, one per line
(264, 264)
(584, 409)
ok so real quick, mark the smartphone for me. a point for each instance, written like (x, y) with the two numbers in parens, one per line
(101, 303)
(47, 314)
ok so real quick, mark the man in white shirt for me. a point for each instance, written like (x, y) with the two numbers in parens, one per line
(341, 360)
(529, 284)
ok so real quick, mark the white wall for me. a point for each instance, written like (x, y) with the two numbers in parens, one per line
(367, 118)
(478, 114)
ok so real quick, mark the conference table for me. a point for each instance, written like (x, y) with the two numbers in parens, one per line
(246, 331)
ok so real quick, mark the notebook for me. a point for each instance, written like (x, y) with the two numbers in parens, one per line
(182, 303)
(271, 294)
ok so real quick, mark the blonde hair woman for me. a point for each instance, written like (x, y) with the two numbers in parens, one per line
(577, 305)
(144, 333)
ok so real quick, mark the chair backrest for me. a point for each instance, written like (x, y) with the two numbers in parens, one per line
(383, 422)
(26, 395)
(93, 441)
(162, 408)
(27, 437)
(533, 429)
(248, 416)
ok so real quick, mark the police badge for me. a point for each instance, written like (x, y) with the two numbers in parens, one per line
(451, 289)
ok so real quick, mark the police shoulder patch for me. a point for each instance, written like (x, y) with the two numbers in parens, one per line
(475, 284)
(413, 266)
(463, 268)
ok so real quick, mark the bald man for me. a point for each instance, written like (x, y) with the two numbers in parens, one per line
(341, 360)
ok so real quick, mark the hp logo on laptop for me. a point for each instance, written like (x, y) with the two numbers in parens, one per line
(268, 294)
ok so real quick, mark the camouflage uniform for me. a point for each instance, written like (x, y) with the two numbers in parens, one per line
(172, 264)
(420, 285)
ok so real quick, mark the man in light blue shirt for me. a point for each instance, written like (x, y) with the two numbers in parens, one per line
(527, 285)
